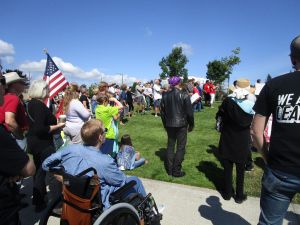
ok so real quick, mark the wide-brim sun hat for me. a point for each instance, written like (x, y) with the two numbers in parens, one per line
(13, 77)
(241, 89)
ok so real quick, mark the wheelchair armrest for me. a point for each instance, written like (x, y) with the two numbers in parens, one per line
(118, 194)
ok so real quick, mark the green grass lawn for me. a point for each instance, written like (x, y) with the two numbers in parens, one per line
(200, 164)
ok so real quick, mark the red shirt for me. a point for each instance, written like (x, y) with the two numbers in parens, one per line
(206, 88)
(13, 104)
(212, 89)
(195, 90)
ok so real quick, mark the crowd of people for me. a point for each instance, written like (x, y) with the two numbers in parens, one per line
(80, 131)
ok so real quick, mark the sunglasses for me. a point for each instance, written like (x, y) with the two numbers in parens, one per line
(2, 80)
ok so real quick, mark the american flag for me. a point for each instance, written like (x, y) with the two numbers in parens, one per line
(54, 78)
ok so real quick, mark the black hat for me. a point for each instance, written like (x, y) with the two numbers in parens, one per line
(295, 47)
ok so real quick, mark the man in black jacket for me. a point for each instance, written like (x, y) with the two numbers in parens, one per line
(178, 119)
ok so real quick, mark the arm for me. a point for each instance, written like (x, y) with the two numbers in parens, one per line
(10, 120)
(112, 175)
(117, 103)
(82, 112)
(189, 112)
(28, 169)
(53, 160)
(257, 135)
(162, 111)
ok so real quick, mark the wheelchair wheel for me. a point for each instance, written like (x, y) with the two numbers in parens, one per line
(49, 211)
(119, 214)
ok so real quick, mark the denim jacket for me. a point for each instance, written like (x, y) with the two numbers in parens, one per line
(76, 158)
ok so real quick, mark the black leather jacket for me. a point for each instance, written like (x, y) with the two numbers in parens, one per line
(176, 109)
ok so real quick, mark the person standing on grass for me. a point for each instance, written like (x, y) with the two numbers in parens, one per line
(178, 119)
(206, 91)
(109, 115)
(281, 180)
(157, 91)
(236, 115)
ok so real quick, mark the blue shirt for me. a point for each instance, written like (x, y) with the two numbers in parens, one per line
(76, 158)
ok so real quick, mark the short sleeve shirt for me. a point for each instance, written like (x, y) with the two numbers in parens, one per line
(105, 114)
(281, 98)
(13, 104)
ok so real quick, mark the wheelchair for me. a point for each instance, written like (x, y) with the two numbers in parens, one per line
(82, 205)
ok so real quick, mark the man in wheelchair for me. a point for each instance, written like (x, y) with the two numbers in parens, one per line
(77, 158)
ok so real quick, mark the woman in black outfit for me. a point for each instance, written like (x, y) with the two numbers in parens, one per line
(42, 125)
(234, 139)
(129, 101)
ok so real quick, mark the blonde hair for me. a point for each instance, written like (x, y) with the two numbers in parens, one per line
(70, 94)
(38, 89)
(90, 132)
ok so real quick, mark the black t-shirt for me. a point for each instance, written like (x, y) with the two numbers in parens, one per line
(84, 98)
(281, 98)
(12, 161)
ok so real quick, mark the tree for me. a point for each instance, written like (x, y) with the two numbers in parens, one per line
(219, 70)
(91, 89)
(269, 77)
(174, 64)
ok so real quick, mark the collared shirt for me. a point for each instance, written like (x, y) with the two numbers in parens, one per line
(76, 158)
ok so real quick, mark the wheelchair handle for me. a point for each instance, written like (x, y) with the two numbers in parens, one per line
(91, 169)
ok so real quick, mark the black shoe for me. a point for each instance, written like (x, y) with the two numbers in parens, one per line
(226, 197)
(180, 174)
(241, 199)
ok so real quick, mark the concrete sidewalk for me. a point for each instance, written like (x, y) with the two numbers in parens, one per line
(187, 205)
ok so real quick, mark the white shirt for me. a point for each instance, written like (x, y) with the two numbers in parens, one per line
(156, 91)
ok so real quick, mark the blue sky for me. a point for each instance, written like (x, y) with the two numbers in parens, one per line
(94, 40)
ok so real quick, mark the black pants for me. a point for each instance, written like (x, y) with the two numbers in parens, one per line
(240, 172)
(130, 106)
(174, 160)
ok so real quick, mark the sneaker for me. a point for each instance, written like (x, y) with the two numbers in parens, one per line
(160, 208)
(57, 211)
(122, 168)
(156, 115)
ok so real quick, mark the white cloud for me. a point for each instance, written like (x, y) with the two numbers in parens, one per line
(148, 31)
(7, 52)
(75, 72)
(186, 48)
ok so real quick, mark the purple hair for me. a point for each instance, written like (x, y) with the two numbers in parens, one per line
(173, 81)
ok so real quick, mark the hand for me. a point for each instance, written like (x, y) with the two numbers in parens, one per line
(112, 99)
(14, 179)
(58, 178)
(190, 128)
(61, 125)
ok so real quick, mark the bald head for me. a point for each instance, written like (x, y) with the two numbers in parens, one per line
(295, 52)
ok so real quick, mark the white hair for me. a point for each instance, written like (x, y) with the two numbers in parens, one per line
(38, 89)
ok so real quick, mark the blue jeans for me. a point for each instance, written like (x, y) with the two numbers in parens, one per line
(197, 106)
(138, 163)
(138, 188)
(278, 190)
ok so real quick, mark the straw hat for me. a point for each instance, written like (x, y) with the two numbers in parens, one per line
(241, 89)
(13, 77)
